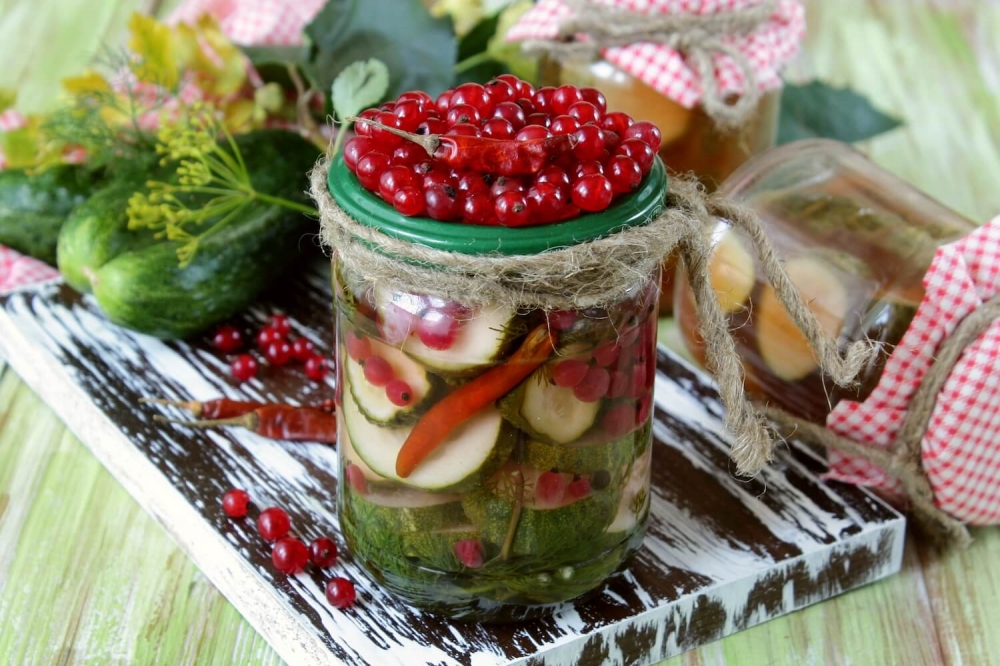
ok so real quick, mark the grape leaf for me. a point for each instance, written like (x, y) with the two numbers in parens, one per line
(817, 110)
(418, 49)
(359, 86)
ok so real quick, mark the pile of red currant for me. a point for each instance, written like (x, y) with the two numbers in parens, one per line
(290, 555)
(276, 344)
(610, 153)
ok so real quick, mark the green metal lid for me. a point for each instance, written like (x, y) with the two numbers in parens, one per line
(366, 208)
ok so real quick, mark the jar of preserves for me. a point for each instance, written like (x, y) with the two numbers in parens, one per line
(856, 242)
(539, 489)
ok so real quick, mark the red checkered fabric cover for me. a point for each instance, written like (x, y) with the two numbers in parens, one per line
(961, 449)
(666, 70)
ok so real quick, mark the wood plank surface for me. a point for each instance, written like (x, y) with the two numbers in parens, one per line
(84, 569)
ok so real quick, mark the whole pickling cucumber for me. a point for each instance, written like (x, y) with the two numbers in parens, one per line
(144, 288)
(33, 207)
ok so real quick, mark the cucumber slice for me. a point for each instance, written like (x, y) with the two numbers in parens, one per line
(372, 400)
(436, 549)
(590, 454)
(474, 451)
(482, 339)
(543, 531)
(547, 412)
(634, 503)
(398, 510)
(351, 457)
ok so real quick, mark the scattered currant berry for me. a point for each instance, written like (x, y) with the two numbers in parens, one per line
(646, 132)
(470, 552)
(302, 349)
(289, 556)
(437, 329)
(323, 552)
(569, 373)
(227, 339)
(317, 367)
(244, 367)
(356, 478)
(619, 419)
(550, 488)
(592, 193)
(359, 347)
(399, 393)
(594, 385)
(266, 336)
(578, 488)
(278, 353)
(273, 524)
(378, 372)
(340, 593)
(234, 503)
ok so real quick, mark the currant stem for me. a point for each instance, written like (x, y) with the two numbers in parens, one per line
(250, 421)
(429, 142)
(191, 405)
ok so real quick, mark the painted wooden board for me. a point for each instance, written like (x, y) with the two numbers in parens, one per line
(721, 555)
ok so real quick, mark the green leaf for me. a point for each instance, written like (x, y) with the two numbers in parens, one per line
(509, 53)
(817, 110)
(481, 71)
(272, 63)
(359, 86)
(478, 39)
(418, 49)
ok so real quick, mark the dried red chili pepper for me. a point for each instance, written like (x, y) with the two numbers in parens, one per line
(495, 156)
(466, 401)
(285, 422)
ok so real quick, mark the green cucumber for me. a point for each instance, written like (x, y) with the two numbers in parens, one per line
(144, 288)
(372, 401)
(547, 412)
(587, 455)
(542, 532)
(33, 207)
(633, 504)
(435, 549)
(349, 456)
(474, 451)
(400, 510)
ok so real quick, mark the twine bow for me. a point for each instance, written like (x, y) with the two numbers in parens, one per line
(593, 28)
(596, 273)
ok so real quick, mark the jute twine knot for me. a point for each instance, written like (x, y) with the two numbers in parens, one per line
(597, 273)
(902, 459)
(594, 27)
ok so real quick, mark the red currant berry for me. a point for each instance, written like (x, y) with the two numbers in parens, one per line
(323, 552)
(474, 95)
(498, 128)
(302, 349)
(638, 151)
(512, 209)
(616, 122)
(356, 478)
(500, 91)
(378, 372)
(561, 320)
(281, 323)
(646, 132)
(585, 112)
(539, 119)
(587, 167)
(278, 353)
(624, 174)
(441, 203)
(550, 488)
(506, 184)
(645, 408)
(556, 175)
(370, 168)
(408, 201)
(438, 177)
(619, 419)
(227, 339)
(606, 354)
(234, 503)
(462, 113)
(470, 552)
(289, 556)
(532, 132)
(437, 330)
(396, 323)
(589, 143)
(358, 346)
(244, 367)
(410, 114)
(463, 129)
(569, 373)
(510, 112)
(514, 82)
(564, 125)
(357, 148)
(477, 208)
(594, 385)
(545, 202)
(361, 128)
(340, 593)
(387, 106)
(418, 96)
(273, 524)
(595, 97)
(527, 106)
(383, 139)
(443, 102)
(408, 154)
(578, 488)
(619, 385)
(543, 99)
(471, 182)
(317, 368)
(266, 336)
(432, 126)
(592, 193)
(565, 97)
(399, 393)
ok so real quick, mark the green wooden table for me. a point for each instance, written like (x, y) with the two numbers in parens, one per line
(87, 577)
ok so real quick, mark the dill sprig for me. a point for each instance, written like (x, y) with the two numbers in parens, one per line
(212, 183)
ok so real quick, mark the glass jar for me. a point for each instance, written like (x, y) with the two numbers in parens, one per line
(691, 140)
(854, 239)
(537, 498)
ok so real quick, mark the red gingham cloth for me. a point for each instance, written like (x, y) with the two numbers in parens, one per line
(666, 70)
(278, 22)
(960, 452)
